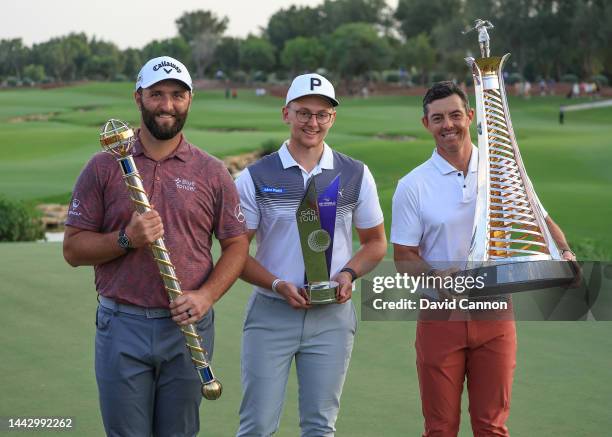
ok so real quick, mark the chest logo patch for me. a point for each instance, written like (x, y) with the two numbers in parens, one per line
(274, 190)
(184, 184)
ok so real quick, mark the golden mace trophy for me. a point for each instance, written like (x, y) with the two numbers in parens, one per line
(117, 138)
(511, 241)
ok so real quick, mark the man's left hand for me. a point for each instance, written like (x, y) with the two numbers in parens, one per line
(345, 286)
(568, 255)
(190, 306)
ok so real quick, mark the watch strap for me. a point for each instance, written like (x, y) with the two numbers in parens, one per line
(351, 272)
(124, 241)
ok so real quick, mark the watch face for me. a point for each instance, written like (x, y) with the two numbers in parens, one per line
(123, 241)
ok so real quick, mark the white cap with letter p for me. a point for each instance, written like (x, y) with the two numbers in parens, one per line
(311, 84)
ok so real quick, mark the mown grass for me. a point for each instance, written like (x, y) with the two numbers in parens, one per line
(569, 164)
(561, 386)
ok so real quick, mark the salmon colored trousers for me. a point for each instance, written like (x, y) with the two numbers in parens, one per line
(449, 352)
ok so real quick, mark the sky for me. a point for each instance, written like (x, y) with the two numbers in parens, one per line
(129, 23)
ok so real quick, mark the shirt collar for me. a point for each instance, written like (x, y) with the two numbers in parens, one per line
(326, 162)
(182, 152)
(446, 167)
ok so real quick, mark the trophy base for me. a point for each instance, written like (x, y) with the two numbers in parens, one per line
(514, 277)
(321, 292)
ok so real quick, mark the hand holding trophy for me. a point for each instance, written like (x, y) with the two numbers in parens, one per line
(316, 219)
(511, 241)
(117, 138)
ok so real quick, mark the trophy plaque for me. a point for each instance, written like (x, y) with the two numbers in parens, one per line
(316, 219)
(117, 138)
(511, 247)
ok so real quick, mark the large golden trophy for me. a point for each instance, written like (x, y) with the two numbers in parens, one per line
(511, 241)
(117, 138)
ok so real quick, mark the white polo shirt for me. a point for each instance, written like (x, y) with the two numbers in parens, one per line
(434, 207)
(277, 237)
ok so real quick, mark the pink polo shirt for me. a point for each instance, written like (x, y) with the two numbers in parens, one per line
(194, 195)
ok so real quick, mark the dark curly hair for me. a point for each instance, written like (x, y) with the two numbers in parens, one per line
(441, 90)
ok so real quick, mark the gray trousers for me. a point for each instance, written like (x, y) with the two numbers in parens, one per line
(320, 340)
(146, 381)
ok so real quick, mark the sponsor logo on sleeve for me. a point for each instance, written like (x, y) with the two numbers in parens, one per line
(239, 214)
(74, 206)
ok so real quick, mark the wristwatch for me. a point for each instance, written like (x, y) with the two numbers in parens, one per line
(123, 241)
(568, 250)
(350, 272)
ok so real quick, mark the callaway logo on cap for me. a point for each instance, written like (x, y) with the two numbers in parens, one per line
(311, 84)
(162, 68)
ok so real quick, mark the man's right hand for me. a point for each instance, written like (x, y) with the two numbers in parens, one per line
(144, 228)
(446, 293)
(295, 297)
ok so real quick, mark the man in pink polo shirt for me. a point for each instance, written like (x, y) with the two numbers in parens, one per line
(146, 381)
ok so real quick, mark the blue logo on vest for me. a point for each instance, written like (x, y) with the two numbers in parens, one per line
(272, 190)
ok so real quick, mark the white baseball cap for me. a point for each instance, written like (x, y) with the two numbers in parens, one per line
(163, 68)
(311, 84)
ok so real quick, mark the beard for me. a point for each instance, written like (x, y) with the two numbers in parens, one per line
(163, 132)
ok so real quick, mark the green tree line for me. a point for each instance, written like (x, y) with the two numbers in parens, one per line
(420, 40)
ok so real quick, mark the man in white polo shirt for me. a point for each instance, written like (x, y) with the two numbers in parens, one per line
(280, 323)
(433, 215)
